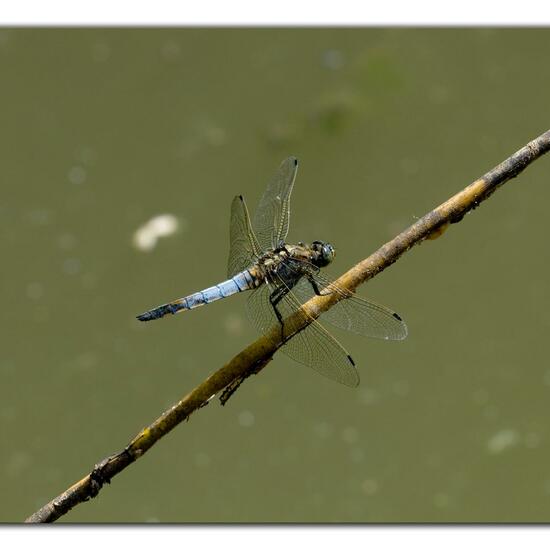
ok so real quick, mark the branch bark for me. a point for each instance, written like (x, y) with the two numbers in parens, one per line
(259, 353)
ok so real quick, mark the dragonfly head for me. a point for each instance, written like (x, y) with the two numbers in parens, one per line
(324, 253)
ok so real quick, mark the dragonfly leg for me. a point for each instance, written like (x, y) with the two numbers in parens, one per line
(275, 297)
(315, 287)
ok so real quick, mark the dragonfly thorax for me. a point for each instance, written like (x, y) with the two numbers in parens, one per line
(289, 262)
(318, 253)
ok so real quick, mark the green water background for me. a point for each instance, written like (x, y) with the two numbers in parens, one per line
(102, 129)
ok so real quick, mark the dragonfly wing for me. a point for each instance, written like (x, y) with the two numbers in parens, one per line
(313, 346)
(272, 217)
(243, 245)
(354, 313)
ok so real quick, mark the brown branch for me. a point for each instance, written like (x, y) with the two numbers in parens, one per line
(259, 353)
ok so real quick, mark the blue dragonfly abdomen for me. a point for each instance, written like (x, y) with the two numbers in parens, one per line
(240, 282)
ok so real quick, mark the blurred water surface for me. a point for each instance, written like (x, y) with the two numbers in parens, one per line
(106, 130)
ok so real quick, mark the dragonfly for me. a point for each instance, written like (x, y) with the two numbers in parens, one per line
(281, 277)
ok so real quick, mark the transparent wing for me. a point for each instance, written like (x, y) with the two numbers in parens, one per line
(243, 245)
(313, 346)
(353, 312)
(271, 219)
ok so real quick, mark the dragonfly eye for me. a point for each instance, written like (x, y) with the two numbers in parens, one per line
(326, 253)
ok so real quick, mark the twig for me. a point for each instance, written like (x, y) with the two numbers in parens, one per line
(258, 354)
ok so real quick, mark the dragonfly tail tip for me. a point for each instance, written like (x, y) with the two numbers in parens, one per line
(161, 311)
(148, 316)
(143, 317)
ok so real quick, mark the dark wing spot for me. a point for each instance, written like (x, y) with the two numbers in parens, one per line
(397, 317)
(351, 360)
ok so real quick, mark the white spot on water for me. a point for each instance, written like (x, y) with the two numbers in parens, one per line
(203, 134)
(369, 396)
(333, 59)
(35, 290)
(77, 175)
(40, 216)
(66, 241)
(215, 136)
(171, 49)
(152, 519)
(234, 324)
(246, 419)
(71, 266)
(146, 237)
(370, 487)
(502, 440)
